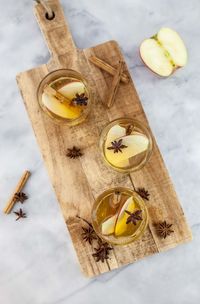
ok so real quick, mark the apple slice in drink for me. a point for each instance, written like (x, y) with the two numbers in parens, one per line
(69, 90)
(61, 109)
(135, 144)
(114, 133)
(164, 52)
(121, 225)
(108, 226)
(117, 223)
(130, 161)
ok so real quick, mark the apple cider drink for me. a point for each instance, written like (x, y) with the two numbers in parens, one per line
(126, 145)
(64, 96)
(119, 216)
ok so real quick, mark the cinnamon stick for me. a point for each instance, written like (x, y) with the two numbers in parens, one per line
(52, 92)
(115, 199)
(10, 204)
(115, 84)
(107, 67)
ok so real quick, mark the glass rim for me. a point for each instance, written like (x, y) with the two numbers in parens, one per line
(60, 120)
(141, 229)
(150, 148)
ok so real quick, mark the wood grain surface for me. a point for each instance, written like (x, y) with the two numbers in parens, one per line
(78, 182)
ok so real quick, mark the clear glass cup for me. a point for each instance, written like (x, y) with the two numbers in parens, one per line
(75, 106)
(111, 211)
(126, 145)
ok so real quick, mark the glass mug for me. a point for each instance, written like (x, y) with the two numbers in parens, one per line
(125, 145)
(119, 216)
(65, 97)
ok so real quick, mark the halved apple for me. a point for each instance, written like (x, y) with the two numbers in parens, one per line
(135, 144)
(164, 52)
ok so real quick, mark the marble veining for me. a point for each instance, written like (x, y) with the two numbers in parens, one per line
(38, 264)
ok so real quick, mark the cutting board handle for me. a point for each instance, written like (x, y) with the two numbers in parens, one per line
(56, 31)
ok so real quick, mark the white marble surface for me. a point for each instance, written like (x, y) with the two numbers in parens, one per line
(37, 261)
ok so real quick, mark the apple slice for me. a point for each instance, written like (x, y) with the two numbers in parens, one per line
(114, 133)
(61, 109)
(108, 226)
(123, 164)
(164, 52)
(135, 145)
(69, 90)
(121, 225)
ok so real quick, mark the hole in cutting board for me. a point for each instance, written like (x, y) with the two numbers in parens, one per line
(50, 18)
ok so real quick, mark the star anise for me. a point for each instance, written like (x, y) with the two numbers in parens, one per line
(20, 214)
(89, 234)
(143, 193)
(164, 229)
(102, 252)
(80, 100)
(117, 146)
(20, 197)
(134, 217)
(103, 249)
(74, 152)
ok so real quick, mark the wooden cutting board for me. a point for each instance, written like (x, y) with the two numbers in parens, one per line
(78, 182)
